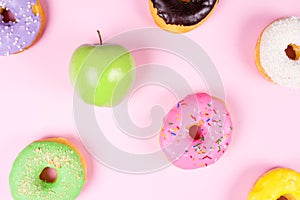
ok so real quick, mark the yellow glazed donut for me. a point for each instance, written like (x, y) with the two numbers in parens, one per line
(180, 16)
(277, 52)
(277, 184)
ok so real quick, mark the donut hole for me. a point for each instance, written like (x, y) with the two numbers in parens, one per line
(7, 16)
(195, 132)
(292, 52)
(286, 197)
(48, 175)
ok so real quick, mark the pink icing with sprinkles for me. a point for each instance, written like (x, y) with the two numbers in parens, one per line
(214, 124)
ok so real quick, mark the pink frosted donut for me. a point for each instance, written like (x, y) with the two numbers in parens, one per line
(196, 132)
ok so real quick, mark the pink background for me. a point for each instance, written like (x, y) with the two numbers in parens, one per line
(36, 99)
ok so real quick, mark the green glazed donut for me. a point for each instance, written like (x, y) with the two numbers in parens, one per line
(25, 179)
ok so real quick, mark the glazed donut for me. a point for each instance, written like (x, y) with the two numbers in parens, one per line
(28, 178)
(277, 52)
(21, 25)
(181, 16)
(196, 131)
(277, 184)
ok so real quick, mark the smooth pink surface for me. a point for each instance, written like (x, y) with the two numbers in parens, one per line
(36, 99)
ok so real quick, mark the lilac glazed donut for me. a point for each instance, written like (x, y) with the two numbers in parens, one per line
(21, 25)
(196, 132)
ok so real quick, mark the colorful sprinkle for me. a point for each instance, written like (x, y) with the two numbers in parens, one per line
(205, 157)
(193, 117)
(196, 145)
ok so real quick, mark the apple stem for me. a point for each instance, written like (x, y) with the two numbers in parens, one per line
(99, 34)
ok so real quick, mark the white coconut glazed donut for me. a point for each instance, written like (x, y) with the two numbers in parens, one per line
(278, 51)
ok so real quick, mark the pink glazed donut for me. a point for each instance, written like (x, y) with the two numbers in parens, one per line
(196, 132)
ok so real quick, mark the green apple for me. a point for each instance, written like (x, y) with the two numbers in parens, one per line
(96, 70)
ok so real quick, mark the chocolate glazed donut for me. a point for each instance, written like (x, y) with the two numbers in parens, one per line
(181, 15)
